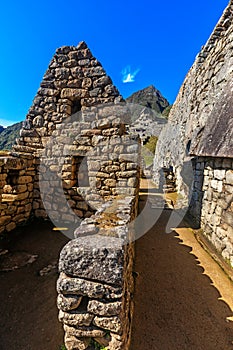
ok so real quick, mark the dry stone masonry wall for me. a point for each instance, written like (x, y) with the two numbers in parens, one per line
(95, 285)
(75, 160)
(197, 141)
(213, 202)
(203, 85)
(16, 190)
(74, 83)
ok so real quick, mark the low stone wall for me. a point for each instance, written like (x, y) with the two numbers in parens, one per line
(16, 190)
(96, 284)
(212, 202)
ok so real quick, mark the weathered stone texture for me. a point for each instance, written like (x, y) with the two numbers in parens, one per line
(98, 267)
(197, 141)
(16, 190)
(74, 159)
(211, 203)
(202, 88)
(107, 253)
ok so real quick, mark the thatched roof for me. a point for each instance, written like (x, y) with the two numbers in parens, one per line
(216, 138)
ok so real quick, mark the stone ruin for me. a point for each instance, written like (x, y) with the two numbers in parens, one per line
(197, 141)
(76, 165)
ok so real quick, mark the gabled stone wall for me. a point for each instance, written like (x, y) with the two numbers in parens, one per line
(74, 85)
(77, 161)
(74, 81)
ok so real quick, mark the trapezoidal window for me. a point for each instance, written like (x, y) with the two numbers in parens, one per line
(76, 107)
(11, 181)
(188, 146)
(12, 178)
(80, 171)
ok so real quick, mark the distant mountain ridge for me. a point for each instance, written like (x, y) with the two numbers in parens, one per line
(8, 135)
(149, 97)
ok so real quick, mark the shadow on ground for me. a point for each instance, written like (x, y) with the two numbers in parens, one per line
(28, 301)
(176, 307)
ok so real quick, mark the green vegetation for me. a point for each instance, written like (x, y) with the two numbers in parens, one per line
(97, 346)
(151, 144)
(9, 135)
(147, 156)
(149, 97)
(148, 150)
(63, 347)
(166, 111)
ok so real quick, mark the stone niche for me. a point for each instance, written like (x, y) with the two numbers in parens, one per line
(16, 190)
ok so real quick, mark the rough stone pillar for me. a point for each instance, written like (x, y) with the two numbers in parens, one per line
(96, 284)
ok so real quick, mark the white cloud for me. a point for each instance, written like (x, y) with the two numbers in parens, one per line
(128, 76)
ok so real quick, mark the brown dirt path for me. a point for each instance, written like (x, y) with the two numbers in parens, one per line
(27, 300)
(176, 304)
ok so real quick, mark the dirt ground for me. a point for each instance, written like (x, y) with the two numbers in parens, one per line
(28, 301)
(177, 306)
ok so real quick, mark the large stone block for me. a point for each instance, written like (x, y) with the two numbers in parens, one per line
(76, 318)
(84, 331)
(74, 343)
(73, 93)
(69, 285)
(104, 309)
(97, 258)
(68, 302)
(229, 177)
(113, 324)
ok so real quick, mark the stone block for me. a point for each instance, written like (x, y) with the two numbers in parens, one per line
(84, 331)
(4, 220)
(107, 253)
(11, 226)
(104, 309)
(219, 174)
(116, 343)
(9, 197)
(132, 182)
(76, 318)
(229, 177)
(86, 83)
(68, 302)
(24, 180)
(73, 93)
(110, 182)
(74, 343)
(68, 285)
(21, 188)
(113, 324)
(19, 218)
(228, 218)
(85, 229)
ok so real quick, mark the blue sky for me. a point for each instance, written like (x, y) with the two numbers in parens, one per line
(156, 40)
